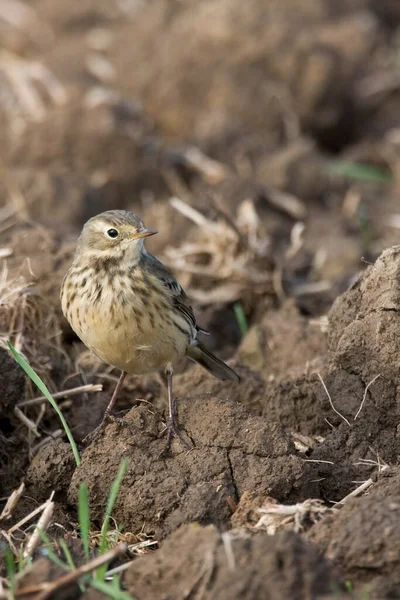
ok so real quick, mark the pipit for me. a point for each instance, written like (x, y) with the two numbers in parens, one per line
(128, 309)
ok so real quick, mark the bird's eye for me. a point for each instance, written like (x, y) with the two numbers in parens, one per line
(112, 233)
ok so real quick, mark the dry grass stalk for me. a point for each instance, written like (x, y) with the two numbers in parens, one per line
(223, 254)
(212, 171)
(27, 518)
(12, 502)
(90, 387)
(5, 252)
(26, 20)
(285, 202)
(365, 485)
(277, 517)
(137, 543)
(42, 525)
(362, 401)
(365, 394)
(305, 443)
(26, 421)
(330, 400)
(29, 323)
(322, 323)
(22, 82)
(227, 542)
(17, 199)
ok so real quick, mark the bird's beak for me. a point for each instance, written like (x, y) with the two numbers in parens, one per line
(145, 233)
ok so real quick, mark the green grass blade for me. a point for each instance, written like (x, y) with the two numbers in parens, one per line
(361, 172)
(10, 569)
(115, 583)
(110, 590)
(110, 504)
(84, 517)
(67, 554)
(101, 571)
(241, 318)
(50, 551)
(39, 383)
(21, 561)
(70, 561)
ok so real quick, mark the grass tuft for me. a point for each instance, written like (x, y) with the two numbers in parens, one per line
(113, 588)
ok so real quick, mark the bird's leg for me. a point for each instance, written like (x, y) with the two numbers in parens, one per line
(114, 397)
(92, 436)
(172, 422)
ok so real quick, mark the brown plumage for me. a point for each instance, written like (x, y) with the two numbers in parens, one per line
(128, 308)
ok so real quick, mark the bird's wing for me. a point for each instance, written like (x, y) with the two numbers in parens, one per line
(176, 292)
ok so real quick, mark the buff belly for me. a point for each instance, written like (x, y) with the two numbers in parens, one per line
(126, 337)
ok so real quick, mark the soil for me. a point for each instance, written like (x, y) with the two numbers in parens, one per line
(258, 567)
(277, 130)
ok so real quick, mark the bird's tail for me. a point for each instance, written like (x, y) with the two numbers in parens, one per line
(211, 363)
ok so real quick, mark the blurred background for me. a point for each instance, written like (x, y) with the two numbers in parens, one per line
(260, 138)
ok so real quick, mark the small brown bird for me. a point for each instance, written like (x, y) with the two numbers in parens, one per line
(128, 309)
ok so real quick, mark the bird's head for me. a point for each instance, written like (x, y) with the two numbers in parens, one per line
(114, 233)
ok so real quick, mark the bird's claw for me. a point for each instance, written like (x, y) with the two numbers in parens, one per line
(95, 434)
(172, 430)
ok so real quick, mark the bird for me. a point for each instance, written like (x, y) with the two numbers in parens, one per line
(130, 311)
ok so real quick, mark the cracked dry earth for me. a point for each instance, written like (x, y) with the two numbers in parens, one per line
(234, 451)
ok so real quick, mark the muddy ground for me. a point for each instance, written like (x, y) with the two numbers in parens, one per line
(262, 140)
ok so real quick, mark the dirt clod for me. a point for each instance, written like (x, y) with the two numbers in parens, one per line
(12, 385)
(161, 494)
(362, 538)
(51, 469)
(223, 566)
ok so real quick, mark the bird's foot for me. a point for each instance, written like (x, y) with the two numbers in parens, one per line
(96, 433)
(172, 430)
(120, 413)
